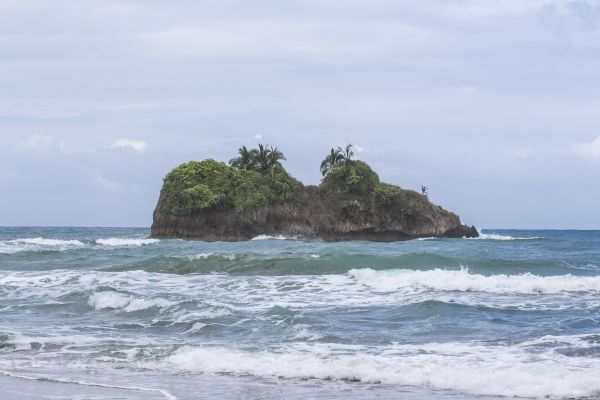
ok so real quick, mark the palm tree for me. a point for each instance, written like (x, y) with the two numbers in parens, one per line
(246, 159)
(347, 153)
(265, 159)
(336, 157)
(262, 158)
(424, 190)
(274, 159)
(332, 159)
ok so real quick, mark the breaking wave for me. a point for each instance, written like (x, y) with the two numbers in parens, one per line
(269, 237)
(126, 303)
(497, 236)
(37, 244)
(125, 242)
(463, 281)
(480, 369)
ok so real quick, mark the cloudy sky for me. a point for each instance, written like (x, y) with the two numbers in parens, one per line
(494, 105)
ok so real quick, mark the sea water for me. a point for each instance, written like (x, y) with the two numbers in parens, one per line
(103, 313)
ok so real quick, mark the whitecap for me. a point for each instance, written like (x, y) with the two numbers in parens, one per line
(49, 242)
(496, 236)
(463, 281)
(125, 241)
(304, 333)
(474, 368)
(37, 244)
(204, 256)
(269, 237)
(127, 303)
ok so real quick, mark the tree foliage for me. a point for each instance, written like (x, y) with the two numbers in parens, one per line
(264, 159)
(336, 157)
(256, 178)
(196, 186)
(349, 188)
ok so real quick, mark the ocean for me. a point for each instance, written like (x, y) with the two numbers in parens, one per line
(106, 313)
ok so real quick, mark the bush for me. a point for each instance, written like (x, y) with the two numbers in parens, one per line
(353, 178)
(196, 186)
(349, 188)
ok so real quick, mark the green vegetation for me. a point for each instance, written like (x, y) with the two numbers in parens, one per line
(349, 187)
(256, 178)
(336, 157)
(211, 185)
(391, 197)
(264, 159)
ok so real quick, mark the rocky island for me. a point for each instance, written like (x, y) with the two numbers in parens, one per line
(255, 195)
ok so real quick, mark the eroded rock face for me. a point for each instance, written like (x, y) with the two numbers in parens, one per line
(315, 213)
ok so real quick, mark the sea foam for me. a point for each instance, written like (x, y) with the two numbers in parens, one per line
(123, 302)
(125, 241)
(37, 244)
(463, 281)
(269, 237)
(496, 236)
(478, 369)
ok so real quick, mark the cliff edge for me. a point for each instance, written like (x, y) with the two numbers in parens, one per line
(212, 201)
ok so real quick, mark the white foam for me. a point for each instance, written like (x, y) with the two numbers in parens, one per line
(37, 244)
(126, 241)
(463, 281)
(496, 236)
(479, 369)
(197, 327)
(120, 301)
(201, 256)
(304, 333)
(269, 237)
(49, 242)
(204, 256)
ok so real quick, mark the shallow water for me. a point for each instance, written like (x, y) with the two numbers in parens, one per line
(108, 313)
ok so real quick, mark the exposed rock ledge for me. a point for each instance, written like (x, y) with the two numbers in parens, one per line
(312, 214)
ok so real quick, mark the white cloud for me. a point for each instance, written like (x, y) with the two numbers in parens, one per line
(521, 153)
(590, 150)
(258, 137)
(358, 148)
(136, 145)
(40, 142)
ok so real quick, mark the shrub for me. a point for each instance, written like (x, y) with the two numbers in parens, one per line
(196, 186)
(353, 178)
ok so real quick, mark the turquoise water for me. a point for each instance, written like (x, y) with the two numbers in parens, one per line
(107, 313)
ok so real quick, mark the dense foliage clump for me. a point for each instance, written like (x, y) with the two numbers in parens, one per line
(256, 178)
(349, 188)
(210, 185)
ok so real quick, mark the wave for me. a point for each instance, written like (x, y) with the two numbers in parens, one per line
(356, 288)
(463, 281)
(37, 244)
(205, 256)
(49, 242)
(125, 241)
(272, 264)
(126, 303)
(480, 369)
(496, 236)
(269, 237)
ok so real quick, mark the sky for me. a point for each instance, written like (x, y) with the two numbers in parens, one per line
(493, 105)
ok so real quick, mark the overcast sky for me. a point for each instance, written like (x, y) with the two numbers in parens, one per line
(494, 105)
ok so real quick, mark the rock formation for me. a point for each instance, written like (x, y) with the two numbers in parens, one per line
(212, 201)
